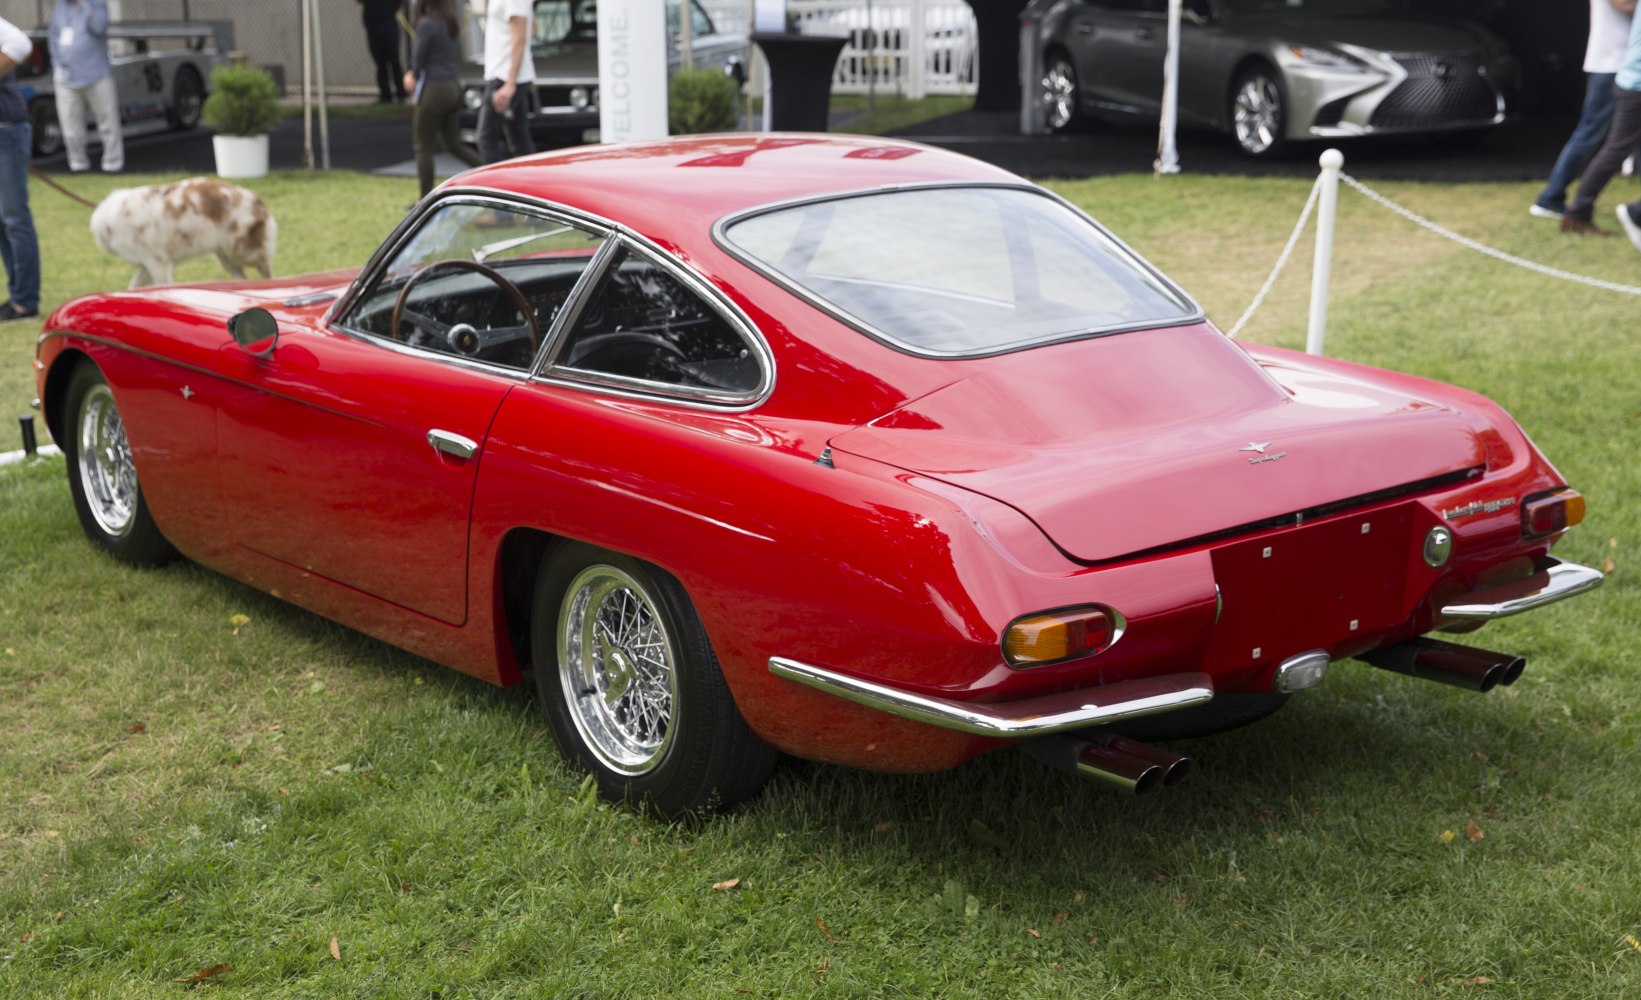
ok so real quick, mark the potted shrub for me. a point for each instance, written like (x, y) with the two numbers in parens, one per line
(243, 108)
(701, 100)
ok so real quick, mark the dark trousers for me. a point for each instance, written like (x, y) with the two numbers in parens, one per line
(1622, 139)
(438, 114)
(498, 133)
(383, 39)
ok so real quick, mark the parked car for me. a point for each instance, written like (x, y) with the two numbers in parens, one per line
(564, 46)
(1271, 72)
(161, 72)
(845, 447)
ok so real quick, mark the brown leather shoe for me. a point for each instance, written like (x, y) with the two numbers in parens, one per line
(1582, 227)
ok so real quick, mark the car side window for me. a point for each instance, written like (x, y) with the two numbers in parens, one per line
(642, 323)
(477, 281)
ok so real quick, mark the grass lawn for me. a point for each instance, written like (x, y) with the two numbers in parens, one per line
(332, 817)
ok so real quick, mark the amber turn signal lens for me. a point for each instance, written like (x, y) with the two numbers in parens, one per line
(1056, 636)
(1553, 512)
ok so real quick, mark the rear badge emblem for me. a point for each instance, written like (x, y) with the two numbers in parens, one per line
(1478, 507)
(1262, 457)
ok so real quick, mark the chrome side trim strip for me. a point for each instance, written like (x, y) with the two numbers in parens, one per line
(1555, 581)
(1054, 713)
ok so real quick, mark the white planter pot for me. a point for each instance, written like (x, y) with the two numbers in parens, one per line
(241, 155)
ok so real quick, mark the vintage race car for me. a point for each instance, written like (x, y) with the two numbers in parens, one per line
(844, 447)
(161, 71)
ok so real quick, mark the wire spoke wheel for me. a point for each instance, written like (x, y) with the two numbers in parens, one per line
(107, 474)
(631, 688)
(617, 668)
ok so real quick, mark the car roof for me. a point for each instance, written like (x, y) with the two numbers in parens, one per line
(673, 190)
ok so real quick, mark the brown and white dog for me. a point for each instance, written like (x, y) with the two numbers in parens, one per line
(155, 228)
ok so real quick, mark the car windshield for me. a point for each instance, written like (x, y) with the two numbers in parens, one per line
(1355, 8)
(961, 271)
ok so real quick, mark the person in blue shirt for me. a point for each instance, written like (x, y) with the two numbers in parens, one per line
(19, 246)
(85, 81)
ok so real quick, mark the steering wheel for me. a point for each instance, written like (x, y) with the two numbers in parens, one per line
(462, 338)
(599, 343)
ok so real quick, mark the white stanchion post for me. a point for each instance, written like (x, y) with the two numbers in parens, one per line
(1167, 161)
(1332, 161)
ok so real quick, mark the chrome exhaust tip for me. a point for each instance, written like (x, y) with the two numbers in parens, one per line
(1122, 763)
(1448, 663)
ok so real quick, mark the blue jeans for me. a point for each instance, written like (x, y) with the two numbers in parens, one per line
(1587, 137)
(19, 247)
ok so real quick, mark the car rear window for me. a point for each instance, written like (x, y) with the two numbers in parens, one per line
(960, 271)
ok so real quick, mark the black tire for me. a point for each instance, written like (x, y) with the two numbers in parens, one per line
(657, 728)
(187, 99)
(48, 132)
(103, 480)
(1259, 112)
(1059, 92)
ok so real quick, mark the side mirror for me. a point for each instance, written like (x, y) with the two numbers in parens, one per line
(735, 71)
(256, 331)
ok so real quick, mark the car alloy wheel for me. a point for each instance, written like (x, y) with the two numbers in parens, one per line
(48, 132)
(616, 668)
(1258, 116)
(187, 98)
(1059, 93)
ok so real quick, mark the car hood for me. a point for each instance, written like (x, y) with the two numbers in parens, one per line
(1383, 35)
(1128, 443)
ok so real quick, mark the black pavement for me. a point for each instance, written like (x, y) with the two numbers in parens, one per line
(1518, 152)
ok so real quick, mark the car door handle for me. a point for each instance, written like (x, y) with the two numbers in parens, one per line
(452, 444)
(1145, 34)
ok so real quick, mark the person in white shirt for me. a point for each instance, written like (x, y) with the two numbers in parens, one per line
(509, 72)
(1609, 31)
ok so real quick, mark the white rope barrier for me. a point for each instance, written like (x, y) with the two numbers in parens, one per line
(1281, 262)
(1465, 241)
(1419, 220)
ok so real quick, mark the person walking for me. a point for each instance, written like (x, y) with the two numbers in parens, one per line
(1622, 140)
(84, 79)
(509, 73)
(19, 247)
(382, 36)
(434, 80)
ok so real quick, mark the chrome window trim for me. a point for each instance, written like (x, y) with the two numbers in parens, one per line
(673, 393)
(615, 235)
(720, 235)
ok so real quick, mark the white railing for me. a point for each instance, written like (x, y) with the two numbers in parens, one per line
(908, 48)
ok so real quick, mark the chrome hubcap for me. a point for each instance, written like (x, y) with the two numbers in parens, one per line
(1257, 111)
(615, 662)
(1059, 94)
(106, 470)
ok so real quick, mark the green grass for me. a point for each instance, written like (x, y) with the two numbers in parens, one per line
(175, 796)
(892, 113)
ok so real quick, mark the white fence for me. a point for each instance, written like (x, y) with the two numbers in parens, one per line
(909, 48)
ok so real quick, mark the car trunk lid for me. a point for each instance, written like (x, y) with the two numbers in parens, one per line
(1128, 443)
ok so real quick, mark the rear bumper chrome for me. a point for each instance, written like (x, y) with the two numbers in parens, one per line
(1029, 717)
(1555, 581)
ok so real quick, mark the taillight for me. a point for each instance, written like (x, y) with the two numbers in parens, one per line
(1056, 636)
(1551, 512)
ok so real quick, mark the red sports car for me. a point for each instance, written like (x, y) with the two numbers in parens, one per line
(843, 447)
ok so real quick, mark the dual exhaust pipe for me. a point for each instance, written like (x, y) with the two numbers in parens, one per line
(1140, 769)
(1118, 761)
(1448, 663)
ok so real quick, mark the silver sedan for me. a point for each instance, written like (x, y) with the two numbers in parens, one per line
(1271, 72)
